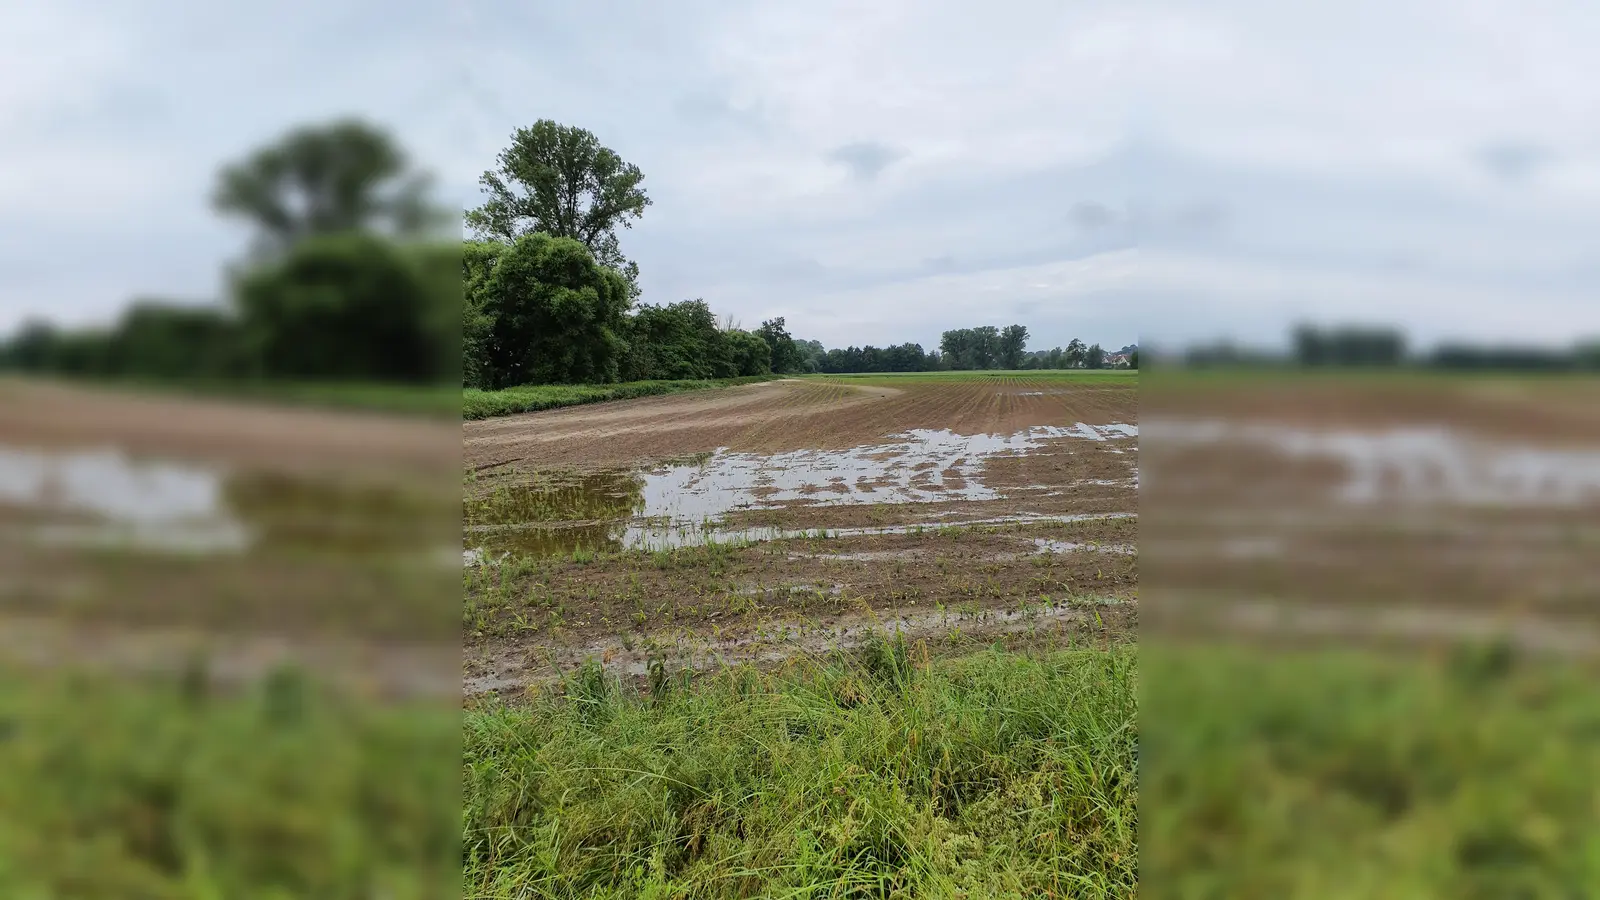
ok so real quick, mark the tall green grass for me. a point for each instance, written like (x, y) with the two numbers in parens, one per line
(990, 775)
(1346, 773)
(478, 404)
(115, 786)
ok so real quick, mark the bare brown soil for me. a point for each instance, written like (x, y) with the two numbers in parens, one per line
(1242, 527)
(772, 600)
(776, 417)
(1550, 410)
(52, 415)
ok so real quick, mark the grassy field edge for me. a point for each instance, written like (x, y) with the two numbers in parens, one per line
(416, 400)
(480, 404)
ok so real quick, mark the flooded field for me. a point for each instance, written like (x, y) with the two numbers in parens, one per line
(1424, 506)
(141, 531)
(785, 518)
(688, 502)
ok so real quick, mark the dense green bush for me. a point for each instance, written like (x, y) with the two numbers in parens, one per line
(678, 341)
(344, 306)
(164, 340)
(554, 315)
(152, 339)
(751, 355)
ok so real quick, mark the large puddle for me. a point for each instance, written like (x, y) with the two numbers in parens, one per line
(1419, 466)
(105, 498)
(686, 502)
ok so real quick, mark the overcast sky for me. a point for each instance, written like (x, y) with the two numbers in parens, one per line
(880, 170)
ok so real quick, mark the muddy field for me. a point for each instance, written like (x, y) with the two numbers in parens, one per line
(789, 415)
(799, 517)
(1402, 507)
(148, 531)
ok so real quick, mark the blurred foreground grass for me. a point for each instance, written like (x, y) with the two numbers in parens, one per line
(1346, 773)
(161, 788)
(990, 775)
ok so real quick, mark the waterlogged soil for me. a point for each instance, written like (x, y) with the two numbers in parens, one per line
(917, 475)
(1464, 508)
(611, 511)
(779, 417)
(794, 518)
(528, 617)
(133, 521)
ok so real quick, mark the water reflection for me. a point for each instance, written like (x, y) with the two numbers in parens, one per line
(560, 497)
(107, 483)
(337, 515)
(615, 536)
(686, 501)
(106, 498)
(1413, 465)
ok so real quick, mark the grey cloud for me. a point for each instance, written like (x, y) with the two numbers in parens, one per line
(1513, 160)
(797, 271)
(1204, 217)
(866, 159)
(1092, 216)
(711, 107)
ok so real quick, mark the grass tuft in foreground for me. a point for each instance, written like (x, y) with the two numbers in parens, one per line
(888, 775)
(477, 404)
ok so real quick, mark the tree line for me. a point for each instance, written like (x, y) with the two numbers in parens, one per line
(548, 296)
(344, 279)
(1362, 346)
(551, 299)
(982, 348)
(540, 309)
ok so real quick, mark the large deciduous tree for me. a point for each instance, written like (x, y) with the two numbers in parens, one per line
(956, 345)
(985, 346)
(1013, 342)
(1075, 353)
(1094, 357)
(344, 176)
(786, 354)
(559, 180)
